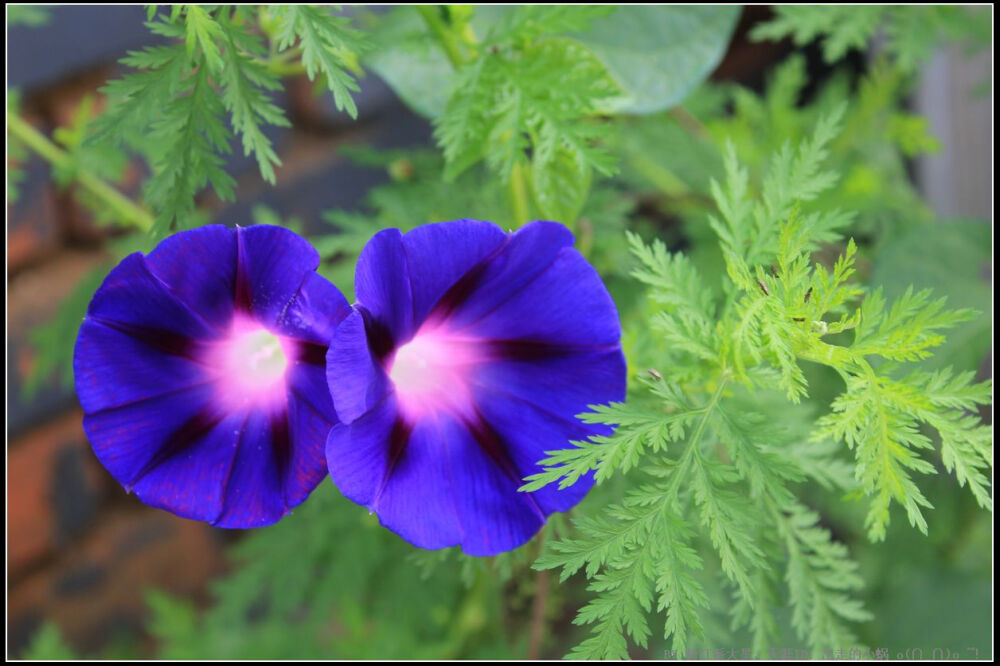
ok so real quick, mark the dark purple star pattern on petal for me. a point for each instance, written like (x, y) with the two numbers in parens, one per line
(469, 354)
(201, 372)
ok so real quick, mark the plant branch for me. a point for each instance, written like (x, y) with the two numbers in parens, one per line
(125, 209)
(689, 122)
(519, 196)
(540, 606)
(447, 38)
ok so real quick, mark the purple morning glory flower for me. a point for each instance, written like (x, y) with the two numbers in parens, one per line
(468, 355)
(201, 372)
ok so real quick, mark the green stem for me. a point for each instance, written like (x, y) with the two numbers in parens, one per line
(447, 38)
(285, 63)
(691, 453)
(539, 608)
(125, 209)
(689, 122)
(519, 204)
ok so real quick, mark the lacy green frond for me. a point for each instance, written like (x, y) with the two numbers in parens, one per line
(246, 91)
(725, 449)
(820, 577)
(173, 107)
(909, 330)
(641, 427)
(529, 100)
(330, 48)
(842, 28)
(188, 142)
(529, 23)
(880, 417)
(643, 552)
(687, 308)
(911, 33)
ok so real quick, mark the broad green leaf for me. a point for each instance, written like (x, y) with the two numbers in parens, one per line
(410, 61)
(659, 54)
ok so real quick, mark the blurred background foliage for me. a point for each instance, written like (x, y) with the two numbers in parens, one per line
(603, 118)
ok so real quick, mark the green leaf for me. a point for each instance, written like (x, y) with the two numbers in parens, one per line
(31, 16)
(246, 87)
(48, 645)
(204, 33)
(658, 54)
(561, 187)
(329, 47)
(911, 32)
(954, 259)
(842, 28)
(406, 58)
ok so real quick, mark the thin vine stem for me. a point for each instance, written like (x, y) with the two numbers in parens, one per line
(447, 38)
(125, 209)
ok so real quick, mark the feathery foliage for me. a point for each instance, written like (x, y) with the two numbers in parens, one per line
(527, 103)
(330, 47)
(771, 382)
(295, 574)
(911, 33)
(215, 80)
(708, 446)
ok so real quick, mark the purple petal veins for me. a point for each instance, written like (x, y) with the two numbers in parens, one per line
(468, 355)
(201, 372)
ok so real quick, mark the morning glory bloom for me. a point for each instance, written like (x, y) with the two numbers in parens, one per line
(201, 372)
(467, 356)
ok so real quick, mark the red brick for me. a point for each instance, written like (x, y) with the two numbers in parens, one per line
(33, 529)
(98, 587)
(35, 294)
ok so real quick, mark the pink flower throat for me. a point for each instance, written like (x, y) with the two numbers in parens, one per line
(252, 363)
(432, 372)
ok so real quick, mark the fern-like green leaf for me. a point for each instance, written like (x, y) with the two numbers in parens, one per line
(330, 47)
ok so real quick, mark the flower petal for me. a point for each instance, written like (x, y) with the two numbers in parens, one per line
(310, 417)
(494, 516)
(528, 431)
(436, 483)
(563, 383)
(566, 303)
(167, 449)
(536, 341)
(255, 486)
(434, 271)
(314, 311)
(397, 471)
(137, 341)
(192, 482)
(134, 299)
(199, 267)
(527, 253)
(272, 264)
(356, 379)
(382, 287)
(113, 368)
(158, 394)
